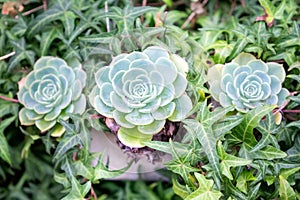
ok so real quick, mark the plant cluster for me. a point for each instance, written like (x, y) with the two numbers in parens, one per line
(229, 72)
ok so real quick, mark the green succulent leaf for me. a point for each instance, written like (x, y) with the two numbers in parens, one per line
(140, 91)
(50, 91)
(247, 83)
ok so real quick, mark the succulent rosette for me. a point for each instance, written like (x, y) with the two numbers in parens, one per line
(52, 90)
(247, 82)
(140, 91)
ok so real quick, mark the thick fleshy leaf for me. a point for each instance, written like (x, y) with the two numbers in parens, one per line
(79, 105)
(24, 118)
(44, 125)
(117, 83)
(180, 85)
(258, 65)
(58, 130)
(181, 65)
(33, 115)
(239, 79)
(53, 114)
(76, 90)
(119, 117)
(229, 68)
(28, 101)
(153, 128)
(276, 70)
(64, 84)
(121, 65)
(164, 112)
(154, 53)
(137, 118)
(30, 78)
(225, 80)
(132, 137)
(81, 76)
(275, 85)
(43, 61)
(263, 76)
(39, 74)
(243, 58)
(105, 92)
(136, 56)
(54, 61)
(272, 100)
(241, 69)
(183, 106)
(119, 104)
(231, 91)
(225, 101)
(143, 64)
(157, 81)
(42, 109)
(66, 100)
(151, 107)
(68, 73)
(167, 69)
(282, 96)
(167, 95)
(214, 75)
(102, 109)
(101, 76)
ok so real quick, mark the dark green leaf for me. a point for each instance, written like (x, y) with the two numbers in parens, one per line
(66, 144)
(4, 148)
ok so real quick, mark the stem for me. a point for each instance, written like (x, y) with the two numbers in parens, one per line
(291, 111)
(9, 99)
(7, 55)
(106, 19)
(93, 193)
(33, 10)
(143, 4)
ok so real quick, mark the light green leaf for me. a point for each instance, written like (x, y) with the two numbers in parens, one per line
(225, 125)
(206, 137)
(4, 147)
(285, 173)
(228, 161)
(181, 164)
(244, 131)
(268, 153)
(243, 178)
(178, 189)
(102, 172)
(67, 167)
(165, 146)
(62, 179)
(268, 129)
(78, 191)
(286, 192)
(205, 190)
(84, 170)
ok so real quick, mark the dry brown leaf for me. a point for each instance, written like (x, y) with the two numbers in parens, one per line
(12, 8)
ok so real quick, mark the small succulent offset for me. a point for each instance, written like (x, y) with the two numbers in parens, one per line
(140, 91)
(247, 82)
(51, 91)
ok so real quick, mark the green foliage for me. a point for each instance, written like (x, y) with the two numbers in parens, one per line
(223, 154)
